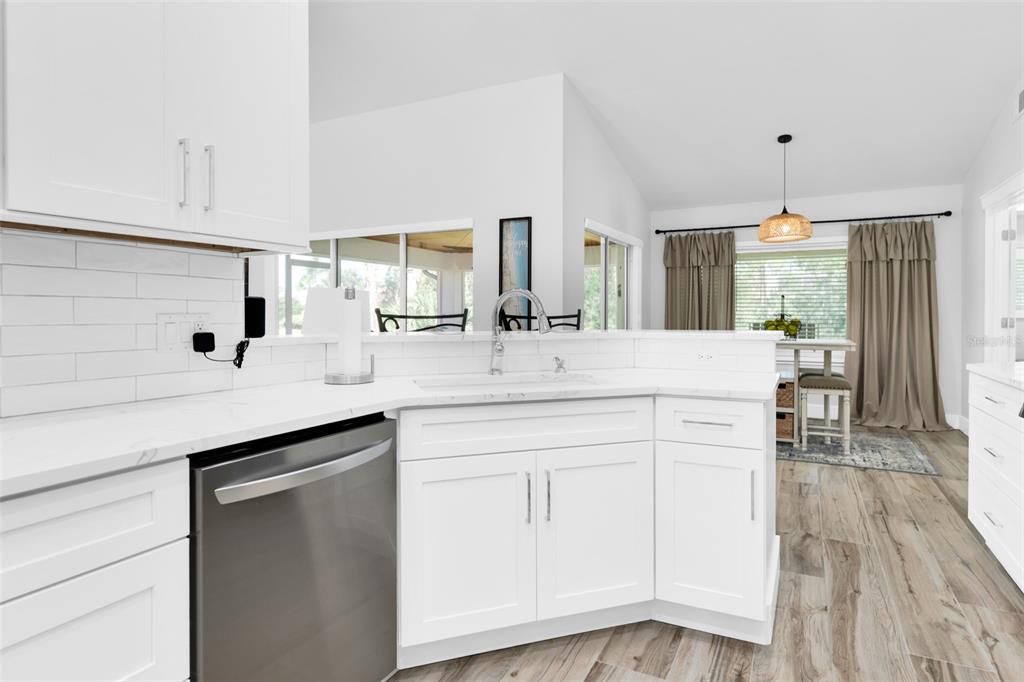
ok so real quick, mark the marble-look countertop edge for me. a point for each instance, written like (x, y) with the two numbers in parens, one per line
(35, 455)
(998, 373)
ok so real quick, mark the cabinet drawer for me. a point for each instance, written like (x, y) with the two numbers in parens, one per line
(999, 400)
(128, 621)
(57, 534)
(457, 431)
(998, 444)
(710, 422)
(997, 516)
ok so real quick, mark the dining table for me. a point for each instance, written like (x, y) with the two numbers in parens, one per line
(798, 346)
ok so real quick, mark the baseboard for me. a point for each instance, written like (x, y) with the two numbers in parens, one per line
(958, 422)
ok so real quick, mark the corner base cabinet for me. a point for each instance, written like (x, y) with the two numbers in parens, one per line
(501, 547)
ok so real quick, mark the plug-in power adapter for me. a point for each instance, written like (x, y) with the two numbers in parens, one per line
(203, 342)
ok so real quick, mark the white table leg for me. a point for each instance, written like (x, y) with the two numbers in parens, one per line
(796, 396)
(828, 406)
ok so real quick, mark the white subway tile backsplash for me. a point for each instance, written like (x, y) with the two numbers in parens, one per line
(36, 369)
(464, 365)
(248, 377)
(18, 400)
(24, 249)
(127, 363)
(40, 340)
(20, 310)
(145, 336)
(192, 288)
(298, 353)
(40, 281)
(219, 311)
(130, 258)
(224, 267)
(182, 383)
(124, 310)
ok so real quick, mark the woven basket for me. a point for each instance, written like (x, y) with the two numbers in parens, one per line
(784, 395)
(783, 425)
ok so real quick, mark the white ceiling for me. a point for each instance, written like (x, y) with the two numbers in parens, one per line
(693, 95)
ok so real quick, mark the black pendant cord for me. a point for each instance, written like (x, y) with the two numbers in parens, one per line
(939, 214)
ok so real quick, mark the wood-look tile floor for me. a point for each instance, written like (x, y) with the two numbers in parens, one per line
(883, 578)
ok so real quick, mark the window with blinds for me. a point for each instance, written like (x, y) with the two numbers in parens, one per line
(813, 281)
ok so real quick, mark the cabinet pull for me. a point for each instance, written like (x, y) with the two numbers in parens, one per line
(993, 400)
(208, 149)
(752, 494)
(992, 452)
(183, 145)
(529, 499)
(706, 423)
(547, 472)
(992, 520)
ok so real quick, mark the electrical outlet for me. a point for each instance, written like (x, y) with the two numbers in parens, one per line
(174, 330)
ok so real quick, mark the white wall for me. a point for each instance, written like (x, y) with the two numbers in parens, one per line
(948, 244)
(597, 187)
(486, 154)
(1000, 157)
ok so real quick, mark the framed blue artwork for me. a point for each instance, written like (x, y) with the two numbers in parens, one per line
(514, 269)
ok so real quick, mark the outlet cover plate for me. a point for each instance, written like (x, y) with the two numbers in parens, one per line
(174, 330)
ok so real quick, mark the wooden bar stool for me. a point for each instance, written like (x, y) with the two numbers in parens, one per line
(826, 386)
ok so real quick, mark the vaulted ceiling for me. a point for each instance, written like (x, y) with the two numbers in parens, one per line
(692, 95)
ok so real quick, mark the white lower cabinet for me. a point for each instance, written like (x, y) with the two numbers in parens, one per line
(468, 547)
(127, 621)
(710, 538)
(595, 531)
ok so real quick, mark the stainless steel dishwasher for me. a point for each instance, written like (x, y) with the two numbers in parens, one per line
(293, 557)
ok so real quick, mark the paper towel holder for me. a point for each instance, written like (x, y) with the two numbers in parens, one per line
(341, 379)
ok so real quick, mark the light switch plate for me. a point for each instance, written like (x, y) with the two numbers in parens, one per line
(174, 330)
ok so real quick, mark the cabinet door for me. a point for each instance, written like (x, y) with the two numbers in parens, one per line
(468, 546)
(709, 534)
(85, 127)
(128, 621)
(252, 159)
(595, 527)
(595, 532)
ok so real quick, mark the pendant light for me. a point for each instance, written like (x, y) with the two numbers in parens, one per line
(784, 227)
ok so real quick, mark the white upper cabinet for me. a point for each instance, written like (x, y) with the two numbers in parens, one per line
(595, 531)
(86, 135)
(161, 118)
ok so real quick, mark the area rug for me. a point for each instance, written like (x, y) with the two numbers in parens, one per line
(891, 451)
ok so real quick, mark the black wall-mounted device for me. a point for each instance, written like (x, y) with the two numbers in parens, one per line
(255, 317)
(203, 342)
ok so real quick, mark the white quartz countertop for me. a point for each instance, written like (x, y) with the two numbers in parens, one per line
(41, 451)
(1009, 375)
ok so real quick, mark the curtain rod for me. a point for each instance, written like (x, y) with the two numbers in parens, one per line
(941, 214)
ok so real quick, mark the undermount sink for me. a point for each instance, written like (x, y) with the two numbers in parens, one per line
(502, 381)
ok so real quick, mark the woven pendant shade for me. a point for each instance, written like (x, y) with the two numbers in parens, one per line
(784, 227)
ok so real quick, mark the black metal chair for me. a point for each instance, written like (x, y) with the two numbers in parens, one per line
(454, 321)
(512, 323)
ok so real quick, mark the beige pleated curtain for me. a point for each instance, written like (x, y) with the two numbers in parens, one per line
(892, 315)
(700, 282)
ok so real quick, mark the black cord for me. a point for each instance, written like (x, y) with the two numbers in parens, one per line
(240, 349)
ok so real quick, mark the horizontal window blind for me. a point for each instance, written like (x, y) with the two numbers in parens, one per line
(813, 281)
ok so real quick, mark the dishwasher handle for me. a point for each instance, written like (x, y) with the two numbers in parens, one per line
(239, 492)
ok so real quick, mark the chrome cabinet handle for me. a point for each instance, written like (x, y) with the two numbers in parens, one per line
(183, 145)
(548, 473)
(238, 492)
(752, 494)
(992, 452)
(992, 520)
(993, 400)
(209, 150)
(706, 423)
(529, 499)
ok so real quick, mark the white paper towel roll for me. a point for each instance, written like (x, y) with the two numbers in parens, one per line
(350, 336)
